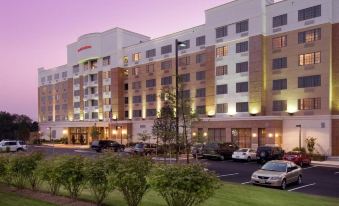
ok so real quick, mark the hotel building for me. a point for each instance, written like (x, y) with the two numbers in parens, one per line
(255, 71)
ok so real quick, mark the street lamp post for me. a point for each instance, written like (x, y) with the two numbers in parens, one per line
(299, 125)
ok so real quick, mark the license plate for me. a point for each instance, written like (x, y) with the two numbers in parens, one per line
(262, 181)
(237, 156)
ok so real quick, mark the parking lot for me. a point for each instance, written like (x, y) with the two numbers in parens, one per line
(317, 180)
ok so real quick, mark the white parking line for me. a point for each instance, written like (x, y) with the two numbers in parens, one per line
(297, 188)
(310, 167)
(244, 183)
(228, 175)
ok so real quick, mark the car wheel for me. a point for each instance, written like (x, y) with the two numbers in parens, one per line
(283, 184)
(301, 163)
(19, 150)
(299, 181)
(249, 159)
(221, 158)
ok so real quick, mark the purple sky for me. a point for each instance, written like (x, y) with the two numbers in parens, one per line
(34, 33)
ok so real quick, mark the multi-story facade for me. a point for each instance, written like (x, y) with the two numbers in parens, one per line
(255, 70)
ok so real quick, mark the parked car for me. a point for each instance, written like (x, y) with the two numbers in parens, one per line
(219, 151)
(196, 150)
(247, 154)
(100, 145)
(266, 153)
(277, 173)
(299, 158)
(144, 149)
(12, 146)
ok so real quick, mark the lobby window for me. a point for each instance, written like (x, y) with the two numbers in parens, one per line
(200, 75)
(221, 70)
(185, 77)
(136, 57)
(166, 49)
(309, 36)
(201, 40)
(136, 99)
(151, 112)
(280, 20)
(126, 100)
(106, 61)
(166, 64)
(222, 51)
(150, 83)
(107, 101)
(221, 89)
(242, 47)
(64, 74)
(166, 80)
(309, 81)
(200, 58)
(309, 13)
(151, 98)
(184, 61)
(136, 85)
(200, 92)
(309, 103)
(242, 87)
(201, 109)
(242, 107)
(310, 58)
(241, 67)
(76, 69)
(136, 113)
(222, 108)
(279, 105)
(279, 84)
(279, 63)
(279, 42)
(135, 71)
(242, 26)
(150, 68)
(216, 134)
(186, 43)
(150, 53)
(221, 32)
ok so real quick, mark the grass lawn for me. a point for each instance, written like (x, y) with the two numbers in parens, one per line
(14, 200)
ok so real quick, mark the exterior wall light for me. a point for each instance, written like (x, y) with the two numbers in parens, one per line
(270, 135)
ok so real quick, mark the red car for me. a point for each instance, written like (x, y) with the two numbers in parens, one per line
(298, 158)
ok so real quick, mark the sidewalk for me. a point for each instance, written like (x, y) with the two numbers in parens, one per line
(67, 146)
(327, 163)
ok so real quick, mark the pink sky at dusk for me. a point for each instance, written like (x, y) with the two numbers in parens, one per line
(34, 33)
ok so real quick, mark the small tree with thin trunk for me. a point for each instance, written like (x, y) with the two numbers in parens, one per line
(144, 136)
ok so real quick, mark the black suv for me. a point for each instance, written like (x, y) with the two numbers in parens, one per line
(99, 145)
(266, 153)
(219, 151)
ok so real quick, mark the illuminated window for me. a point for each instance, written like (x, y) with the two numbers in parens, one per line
(310, 58)
(107, 101)
(279, 42)
(221, 70)
(222, 51)
(309, 103)
(150, 68)
(135, 71)
(309, 36)
(136, 57)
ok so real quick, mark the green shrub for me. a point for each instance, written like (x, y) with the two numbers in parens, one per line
(4, 161)
(18, 169)
(131, 178)
(297, 149)
(98, 173)
(33, 177)
(48, 171)
(310, 141)
(184, 185)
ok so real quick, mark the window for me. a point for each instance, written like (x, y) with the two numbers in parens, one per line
(221, 32)
(49, 78)
(166, 49)
(150, 53)
(222, 108)
(200, 58)
(309, 13)
(184, 61)
(43, 79)
(107, 101)
(86, 66)
(93, 64)
(106, 88)
(221, 70)
(242, 107)
(56, 76)
(279, 63)
(310, 58)
(200, 75)
(279, 84)
(106, 61)
(57, 107)
(186, 43)
(242, 87)
(216, 134)
(126, 87)
(94, 103)
(136, 99)
(136, 113)
(166, 80)
(93, 77)
(76, 69)
(242, 67)
(309, 81)
(200, 92)
(135, 71)
(136, 57)
(279, 42)
(64, 107)
(201, 109)
(222, 51)
(201, 40)
(279, 105)
(166, 64)
(150, 68)
(136, 85)
(76, 105)
(151, 97)
(279, 20)
(151, 112)
(106, 74)
(150, 83)
(64, 74)
(242, 26)
(126, 114)
(126, 100)
(185, 77)
(76, 92)
(186, 94)
(309, 36)
(309, 103)
(222, 89)
(242, 47)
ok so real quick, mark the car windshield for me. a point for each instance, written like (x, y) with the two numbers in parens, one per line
(264, 148)
(293, 153)
(242, 150)
(139, 145)
(275, 166)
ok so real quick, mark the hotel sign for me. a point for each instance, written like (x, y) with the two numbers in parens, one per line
(84, 48)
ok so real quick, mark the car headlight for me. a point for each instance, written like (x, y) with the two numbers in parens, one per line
(275, 178)
(254, 176)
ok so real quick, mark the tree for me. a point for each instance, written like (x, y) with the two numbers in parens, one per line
(95, 133)
(310, 142)
(14, 126)
(144, 136)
